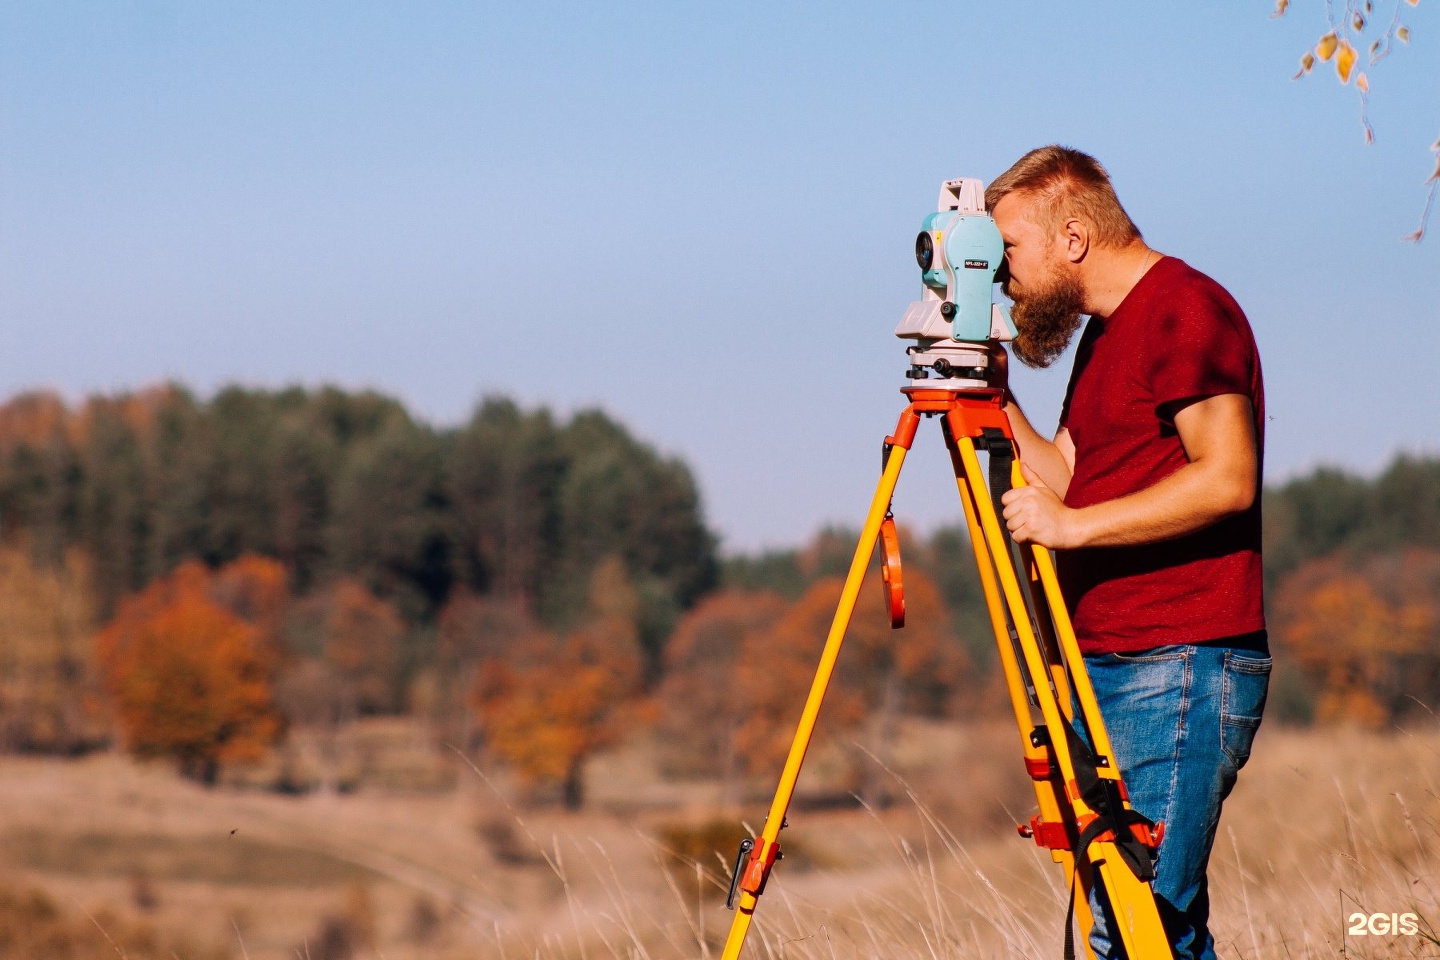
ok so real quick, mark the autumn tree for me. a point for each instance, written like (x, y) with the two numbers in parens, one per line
(188, 678)
(553, 701)
(880, 674)
(702, 704)
(948, 560)
(1367, 630)
(471, 630)
(47, 675)
(362, 635)
(255, 589)
(945, 557)
(342, 646)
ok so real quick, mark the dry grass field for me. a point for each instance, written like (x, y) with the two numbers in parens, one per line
(128, 860)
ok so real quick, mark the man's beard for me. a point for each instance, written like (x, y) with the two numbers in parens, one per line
(1046, 320)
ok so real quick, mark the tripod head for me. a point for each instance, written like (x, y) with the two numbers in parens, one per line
(959, 251)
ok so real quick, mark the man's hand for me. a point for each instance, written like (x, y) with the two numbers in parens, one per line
(1035, 514)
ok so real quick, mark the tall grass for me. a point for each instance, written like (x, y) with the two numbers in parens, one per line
(1324, 824)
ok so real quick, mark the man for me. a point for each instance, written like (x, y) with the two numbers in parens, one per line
(1149, 493)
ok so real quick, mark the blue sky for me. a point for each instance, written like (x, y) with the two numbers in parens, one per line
(698, 216)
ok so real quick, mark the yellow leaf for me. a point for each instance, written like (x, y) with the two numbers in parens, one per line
(1359, 22)
(1345, 61)
(1404, 34)
(1280, 6)
(1325, 49)
(1412, 2)
(1363, 82)
(1306, 62)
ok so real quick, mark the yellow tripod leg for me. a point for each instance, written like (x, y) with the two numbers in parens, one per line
(1043, 568)
(766, 849)
(1138, 919)
(1070, 648)
(1047, 797)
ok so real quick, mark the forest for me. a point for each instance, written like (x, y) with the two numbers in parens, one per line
(218, 581)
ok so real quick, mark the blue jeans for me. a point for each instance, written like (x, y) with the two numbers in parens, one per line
(1181, 720)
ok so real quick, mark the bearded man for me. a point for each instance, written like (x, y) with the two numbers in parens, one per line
(1148, 493)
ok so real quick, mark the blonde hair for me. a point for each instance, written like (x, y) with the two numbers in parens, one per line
(1067, 183)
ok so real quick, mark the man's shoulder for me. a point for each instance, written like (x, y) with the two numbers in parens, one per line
(1180, 285)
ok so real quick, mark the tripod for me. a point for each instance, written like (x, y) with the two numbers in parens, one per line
(1085, 818)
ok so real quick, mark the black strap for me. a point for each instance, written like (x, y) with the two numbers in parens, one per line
(1070, 913)
(1002, 457)
(1002, 461)
(1103, 796)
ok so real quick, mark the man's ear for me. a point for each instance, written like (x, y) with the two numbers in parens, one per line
(1074, 239)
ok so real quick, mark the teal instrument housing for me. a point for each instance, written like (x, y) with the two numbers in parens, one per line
(970, 250)
(952, 325)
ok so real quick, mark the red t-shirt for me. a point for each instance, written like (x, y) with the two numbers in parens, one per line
(1176, 336)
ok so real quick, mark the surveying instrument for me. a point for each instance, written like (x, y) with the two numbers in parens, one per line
(1085, 819)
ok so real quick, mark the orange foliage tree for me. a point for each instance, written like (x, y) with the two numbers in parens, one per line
(702, 706)
(552, 702)
(255, 589)
(881, 672)
(362, 644)
(471, 629)
(187, 677)
(1366, 632)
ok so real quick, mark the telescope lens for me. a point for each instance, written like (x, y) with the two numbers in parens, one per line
(924, 251)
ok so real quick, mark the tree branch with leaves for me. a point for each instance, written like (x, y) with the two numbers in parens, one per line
(1353, 29)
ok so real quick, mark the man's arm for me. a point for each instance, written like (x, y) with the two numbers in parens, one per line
(1054, 461)
(1220, 479)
